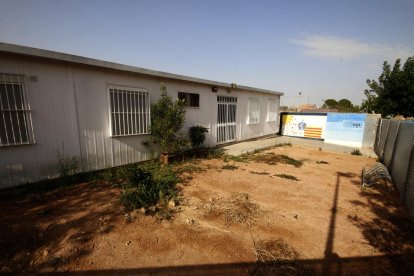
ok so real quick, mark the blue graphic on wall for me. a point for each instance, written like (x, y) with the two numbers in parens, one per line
(345, 129)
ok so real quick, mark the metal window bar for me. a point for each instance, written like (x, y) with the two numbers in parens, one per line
(28, 114)
(123, 111)
(148, 109)
(5, 133)
(129, 112)
(135, 112)
(9, 108)
(16, 126)
(141, 122)
(22, 100)
(141, 113)
(17, 114)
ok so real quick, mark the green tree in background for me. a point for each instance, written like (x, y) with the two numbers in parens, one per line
(393, 93)
(345, 104)
(330, 103)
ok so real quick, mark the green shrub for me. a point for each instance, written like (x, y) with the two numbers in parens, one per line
(108, 175)
(148, 186)
(292, 161)
(167, 118)
(197, 135)
(229, 167)
(66, 165)
(356, 152)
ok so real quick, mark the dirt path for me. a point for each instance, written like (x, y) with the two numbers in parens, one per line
(323, 216)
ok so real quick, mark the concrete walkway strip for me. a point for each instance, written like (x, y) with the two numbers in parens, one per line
(250, 146)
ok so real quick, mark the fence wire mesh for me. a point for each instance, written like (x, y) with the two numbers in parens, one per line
(395, 148)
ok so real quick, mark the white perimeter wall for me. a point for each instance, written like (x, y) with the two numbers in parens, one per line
(70, 113)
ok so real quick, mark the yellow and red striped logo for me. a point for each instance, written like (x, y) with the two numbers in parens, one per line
(313, 132)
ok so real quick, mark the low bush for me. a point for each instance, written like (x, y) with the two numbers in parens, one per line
(66, 165)
(229, 167)
(197, 135)
(148, 185)
(356, 152)
(292, 161)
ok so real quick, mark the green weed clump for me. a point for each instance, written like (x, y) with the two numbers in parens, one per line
(188, 168)
(229, 167)
(270, 158)
(148, 185)
(215, 153)
(244, 158)
(67, 165)
(259, 173)
(282, 145)
(356, 152)
(287, 176)
(292, 161)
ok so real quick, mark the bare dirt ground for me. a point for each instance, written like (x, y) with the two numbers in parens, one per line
(233, 214)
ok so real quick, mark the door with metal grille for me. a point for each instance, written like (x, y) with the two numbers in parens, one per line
(226, 119)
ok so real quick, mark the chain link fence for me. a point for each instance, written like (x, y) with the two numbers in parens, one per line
(394, 146)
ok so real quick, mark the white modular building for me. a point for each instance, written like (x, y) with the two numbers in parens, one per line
(55, 104)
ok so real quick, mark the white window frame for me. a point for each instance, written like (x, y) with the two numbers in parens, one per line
(129, 122)
(272, 117)
(253, 120)
(15, 119)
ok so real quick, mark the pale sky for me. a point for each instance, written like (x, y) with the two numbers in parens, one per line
(323, 49)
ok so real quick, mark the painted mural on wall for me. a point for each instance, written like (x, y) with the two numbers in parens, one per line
(304, 125)
(345, 129)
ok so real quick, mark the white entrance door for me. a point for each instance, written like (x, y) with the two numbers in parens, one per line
(226, 119)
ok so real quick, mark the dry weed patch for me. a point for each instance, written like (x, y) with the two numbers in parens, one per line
(272, 159)
(238, 209)
(277, 257)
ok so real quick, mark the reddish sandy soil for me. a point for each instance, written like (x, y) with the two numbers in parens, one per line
(325, 217)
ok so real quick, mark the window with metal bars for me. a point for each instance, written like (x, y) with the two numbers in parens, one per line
(130, 111)
(15, 116)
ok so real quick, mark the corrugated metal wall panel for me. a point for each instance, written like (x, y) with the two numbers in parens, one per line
(385, 123)
(101, 152)
(402, 154)
(390, 143)
(377, 138)
(371, 127)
